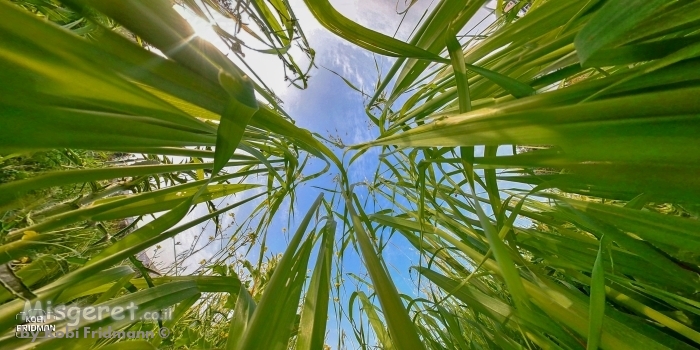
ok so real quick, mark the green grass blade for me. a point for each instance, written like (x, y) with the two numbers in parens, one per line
(243, 311)
(240, 108)
(597, 303)
(366, 38)
(401, 329)
(312, 327)
(270, 325)
(611, 22)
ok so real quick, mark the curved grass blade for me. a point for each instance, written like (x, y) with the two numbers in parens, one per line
(366, 38)
(236, 116)
(401, 329)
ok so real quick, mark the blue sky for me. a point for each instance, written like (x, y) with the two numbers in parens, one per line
(330, 108)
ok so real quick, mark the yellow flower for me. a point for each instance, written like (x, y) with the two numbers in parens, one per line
(29, 234)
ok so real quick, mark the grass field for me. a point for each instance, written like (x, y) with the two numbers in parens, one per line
(543, 170)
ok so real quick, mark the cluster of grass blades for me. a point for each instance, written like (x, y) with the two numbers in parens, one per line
(544, 170)
(84, 85)
(601, 95)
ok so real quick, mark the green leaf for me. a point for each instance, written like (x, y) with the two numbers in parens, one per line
(243, 311)
(401, 329)
(461, 79)
(236, 115)
(368, 39)
(611, 22)
(597, 303)
(511, 85)
(272, 321)
(375, 321)
(312, 327)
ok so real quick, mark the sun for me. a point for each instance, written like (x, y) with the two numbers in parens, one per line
(201, 27)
